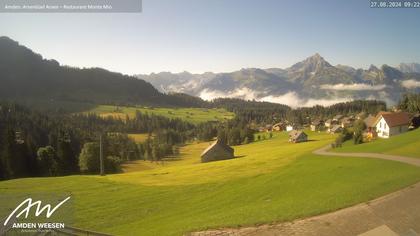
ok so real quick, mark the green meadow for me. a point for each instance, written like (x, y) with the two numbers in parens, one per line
(194, 115)
(406, 144)
(268, 181)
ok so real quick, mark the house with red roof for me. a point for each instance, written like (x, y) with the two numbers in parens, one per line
(390, 124)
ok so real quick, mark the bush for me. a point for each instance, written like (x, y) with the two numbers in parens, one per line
(112, 164)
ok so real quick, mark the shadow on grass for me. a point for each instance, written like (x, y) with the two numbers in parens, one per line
(239, 156)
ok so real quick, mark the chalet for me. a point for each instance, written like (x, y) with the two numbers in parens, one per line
(266, 128)
(279, 126)
(370, 127)
(390, 124)
(370, 121)
(328, 123)
(316, 125)
(296, 136)
(346, 122)
(289, 128)
(217, 151)
(337, 118)
(335, 129)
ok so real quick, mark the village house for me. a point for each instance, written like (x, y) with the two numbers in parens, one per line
(335, 129)
(296, 136)
(346, 122)
(266, 128)
(316, 125)
(289, 128)
(370, 127)
(390, 124)
(328, 123)
(217, 151)
(279, 126)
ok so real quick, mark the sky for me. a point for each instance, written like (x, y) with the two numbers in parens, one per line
(221, 35)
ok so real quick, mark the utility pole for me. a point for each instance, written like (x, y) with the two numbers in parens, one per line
(101, 156)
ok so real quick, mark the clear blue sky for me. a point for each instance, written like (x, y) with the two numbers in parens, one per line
(222, 35)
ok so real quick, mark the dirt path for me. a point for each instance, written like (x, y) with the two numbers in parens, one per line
(397, 213)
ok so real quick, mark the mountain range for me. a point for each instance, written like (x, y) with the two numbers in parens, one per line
(306, 83)
(26, 76)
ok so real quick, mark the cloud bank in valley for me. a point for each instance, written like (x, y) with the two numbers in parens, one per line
(353, 87)
(290, 98)
(411, 83)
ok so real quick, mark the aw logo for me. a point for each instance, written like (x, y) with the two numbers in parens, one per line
(29, 214)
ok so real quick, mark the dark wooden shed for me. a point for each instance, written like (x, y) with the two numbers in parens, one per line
(217, 151)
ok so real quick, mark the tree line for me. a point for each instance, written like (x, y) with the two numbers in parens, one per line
(33, 143)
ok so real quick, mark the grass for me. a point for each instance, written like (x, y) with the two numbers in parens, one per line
(193, 115)
(406, 144)
(268, 181)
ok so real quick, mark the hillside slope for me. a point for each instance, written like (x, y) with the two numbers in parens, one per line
(270, 180)
(26, 76)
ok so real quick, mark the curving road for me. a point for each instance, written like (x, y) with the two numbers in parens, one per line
(395, 214)
(409, 160)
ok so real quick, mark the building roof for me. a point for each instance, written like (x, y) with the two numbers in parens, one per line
(220, 144)
(335, 128)
(370, 121)
(338, 117)
(294, 134)
(394, 119)
(328, 121)
(317, 122)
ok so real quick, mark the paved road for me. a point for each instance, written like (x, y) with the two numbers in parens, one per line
(398, 213)
(409, 160)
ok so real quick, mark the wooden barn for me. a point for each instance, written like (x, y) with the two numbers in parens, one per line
(296, 136)
(217, 151)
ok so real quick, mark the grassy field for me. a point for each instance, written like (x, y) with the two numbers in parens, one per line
(407, 144)
(194, 115)
(268, 181)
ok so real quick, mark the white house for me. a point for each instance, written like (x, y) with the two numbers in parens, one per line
(390, 124)
(289, 128)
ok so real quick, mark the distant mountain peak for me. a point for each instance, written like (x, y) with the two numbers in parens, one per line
(373, 68)
(311, 64)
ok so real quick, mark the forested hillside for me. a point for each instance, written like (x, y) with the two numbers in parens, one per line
(26, 77)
